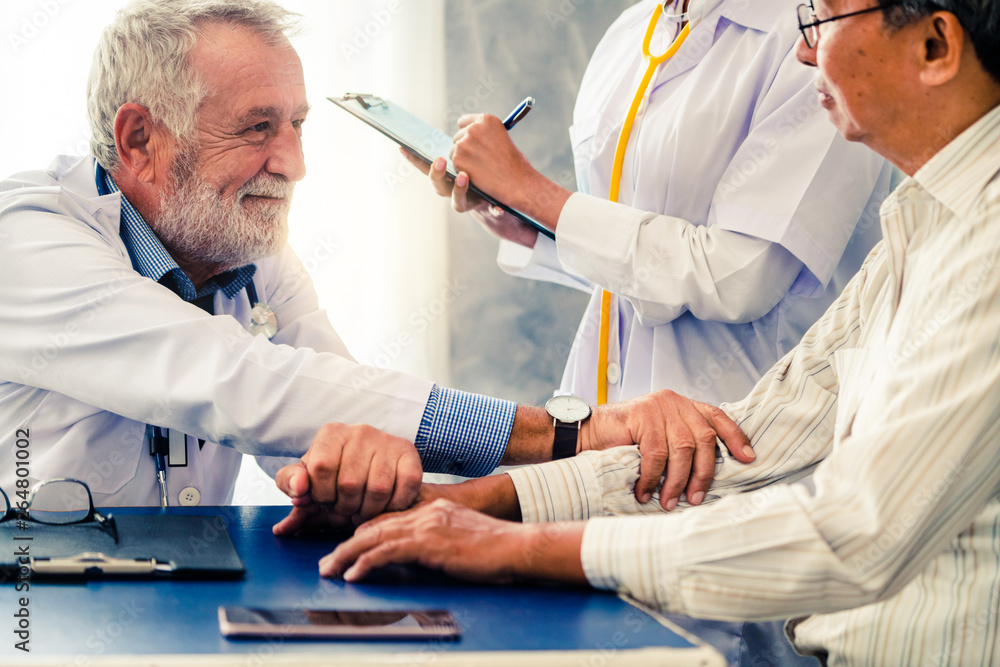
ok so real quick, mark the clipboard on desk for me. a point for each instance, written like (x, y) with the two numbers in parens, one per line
(148, 546)
(418, 137)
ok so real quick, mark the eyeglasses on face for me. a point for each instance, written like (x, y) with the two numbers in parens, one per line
(57, 502)
(809, 24)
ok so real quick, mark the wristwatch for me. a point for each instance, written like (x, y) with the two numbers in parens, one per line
(567, 413)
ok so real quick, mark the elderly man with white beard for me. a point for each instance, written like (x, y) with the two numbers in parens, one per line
(156, 326)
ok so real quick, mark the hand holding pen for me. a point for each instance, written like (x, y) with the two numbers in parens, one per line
(484, 151)
(481, 145)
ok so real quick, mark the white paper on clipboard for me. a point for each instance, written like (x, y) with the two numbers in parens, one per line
(420, 138)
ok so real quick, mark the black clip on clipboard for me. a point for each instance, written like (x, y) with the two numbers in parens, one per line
(422, 139)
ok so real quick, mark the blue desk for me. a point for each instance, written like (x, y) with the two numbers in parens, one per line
(175, 622)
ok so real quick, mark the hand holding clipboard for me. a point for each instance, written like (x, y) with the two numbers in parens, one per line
(421, 139)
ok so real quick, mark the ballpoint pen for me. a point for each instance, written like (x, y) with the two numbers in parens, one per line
(519, 112)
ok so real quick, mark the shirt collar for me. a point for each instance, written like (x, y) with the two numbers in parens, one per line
(761, 15)
(152, 260)
(958, 173)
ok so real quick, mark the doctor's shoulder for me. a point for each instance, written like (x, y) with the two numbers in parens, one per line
(62, 197)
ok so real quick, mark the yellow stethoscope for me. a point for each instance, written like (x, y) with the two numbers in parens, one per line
(653, 62)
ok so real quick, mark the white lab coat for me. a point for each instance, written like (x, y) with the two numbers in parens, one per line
(743, 213)
(91, 352)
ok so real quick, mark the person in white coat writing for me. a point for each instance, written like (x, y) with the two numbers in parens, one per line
(741, 212)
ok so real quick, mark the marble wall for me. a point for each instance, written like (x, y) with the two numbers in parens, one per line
(510, 337)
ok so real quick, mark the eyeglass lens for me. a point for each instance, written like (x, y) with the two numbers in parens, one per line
(60, 502)
(806, 17)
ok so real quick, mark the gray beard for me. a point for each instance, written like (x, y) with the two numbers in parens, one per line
(197, 224)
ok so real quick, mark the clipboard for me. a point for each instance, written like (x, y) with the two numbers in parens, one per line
(422, 139)
(149, 546)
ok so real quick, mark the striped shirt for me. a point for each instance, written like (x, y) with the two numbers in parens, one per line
(891, 556)
(460, 433)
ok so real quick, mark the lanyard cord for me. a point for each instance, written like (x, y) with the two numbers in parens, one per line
(616, 178)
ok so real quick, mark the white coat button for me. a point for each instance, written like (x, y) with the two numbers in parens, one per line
(614, 373)
(189, 496)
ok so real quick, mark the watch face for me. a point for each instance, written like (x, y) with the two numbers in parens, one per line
(568, 408)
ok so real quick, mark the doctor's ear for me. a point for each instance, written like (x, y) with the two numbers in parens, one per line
(143, 145)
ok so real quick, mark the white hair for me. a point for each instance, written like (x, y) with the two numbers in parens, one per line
(142, 57)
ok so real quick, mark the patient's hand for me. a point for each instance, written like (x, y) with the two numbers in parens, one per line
(463, 543)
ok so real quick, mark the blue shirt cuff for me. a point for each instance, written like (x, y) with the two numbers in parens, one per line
(463, 434)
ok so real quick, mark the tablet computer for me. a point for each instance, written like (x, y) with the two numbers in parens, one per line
(337, 623)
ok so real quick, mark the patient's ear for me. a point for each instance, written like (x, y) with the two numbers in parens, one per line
(945, 42)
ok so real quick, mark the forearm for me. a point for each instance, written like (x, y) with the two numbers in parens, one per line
(538, 197)
(494, 495)
(548, 552)
(531, 437)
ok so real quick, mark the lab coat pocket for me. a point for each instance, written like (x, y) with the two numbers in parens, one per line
(583, 130)
(855, 369)
(73, 439)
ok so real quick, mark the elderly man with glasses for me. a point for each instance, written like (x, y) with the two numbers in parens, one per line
(892, 400)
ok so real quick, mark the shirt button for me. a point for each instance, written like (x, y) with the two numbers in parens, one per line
(614, 373)
(189, 496)
(913, 192)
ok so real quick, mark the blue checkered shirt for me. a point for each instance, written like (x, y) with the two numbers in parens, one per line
(460, 433)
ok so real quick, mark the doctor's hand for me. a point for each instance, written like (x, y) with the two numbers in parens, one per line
(484, 150)
(349, 475)
(496, 220)
(675, 434)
